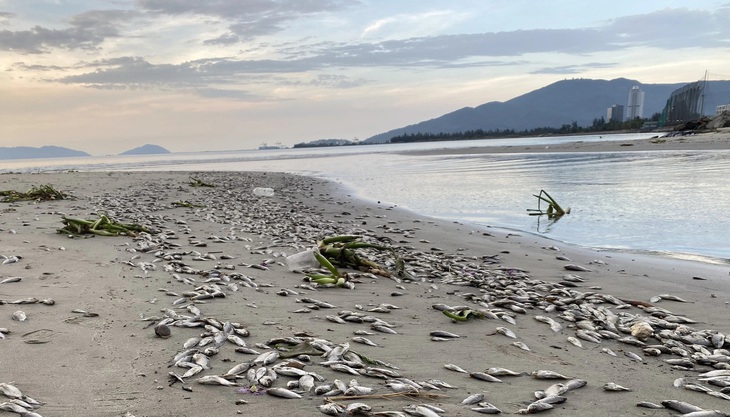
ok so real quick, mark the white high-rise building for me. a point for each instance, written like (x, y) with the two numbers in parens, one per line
(636, 103)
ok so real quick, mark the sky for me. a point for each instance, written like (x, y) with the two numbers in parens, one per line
(191, 75)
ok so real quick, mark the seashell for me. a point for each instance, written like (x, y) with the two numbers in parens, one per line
(163, 331)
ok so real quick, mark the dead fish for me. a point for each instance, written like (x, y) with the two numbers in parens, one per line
(672, 298)
(589, 336)
(19, 316)
(545, 374)
(357, 409)
(29, 300)
(633, 356)
(283, 393)
(331, 409)
(364, 341)
(535, 407)
(444, 334)
(11, 391)
(484, 377)
(215, 380)
(705, 413)
(574, 267)
(554, 325)
(383, 329)
(521, 345)
(681, 406)
(452, 367)
(575, 341)
(608, 352)
(11, 279)
(306, 382)
(487, 408)
(194, 370)
(339, 367)
(610, 386)
(650, 405)
(506, 332)
(239, 369)
(473, 399)
(503, 372)
(191, 342)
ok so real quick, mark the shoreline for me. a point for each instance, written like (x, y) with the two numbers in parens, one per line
(708, 141)
(112, 364)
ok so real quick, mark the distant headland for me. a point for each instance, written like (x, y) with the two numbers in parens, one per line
(28, 152)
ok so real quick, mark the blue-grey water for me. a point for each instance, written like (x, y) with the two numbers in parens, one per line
(669, 202)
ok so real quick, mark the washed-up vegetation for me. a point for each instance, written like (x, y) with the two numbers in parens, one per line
(553, 210)
(342, 251)
(36, 193)
(197, 182)
(103, 226)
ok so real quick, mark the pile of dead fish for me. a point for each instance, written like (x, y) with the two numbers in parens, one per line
(18, 402)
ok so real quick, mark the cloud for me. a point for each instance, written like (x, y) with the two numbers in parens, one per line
(87, 31)
(41, 40)
(668, 29)
(414, 24)
(573, 69)
(673, 28)
(250, 18)
(5, 16)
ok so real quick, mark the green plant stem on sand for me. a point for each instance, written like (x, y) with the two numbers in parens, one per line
(103, 226)
(39, 193)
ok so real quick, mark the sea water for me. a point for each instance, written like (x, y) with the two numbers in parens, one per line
(669, 202)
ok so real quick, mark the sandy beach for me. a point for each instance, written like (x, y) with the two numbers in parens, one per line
(94, 351)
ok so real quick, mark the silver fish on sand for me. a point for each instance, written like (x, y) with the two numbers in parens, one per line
(283, 393)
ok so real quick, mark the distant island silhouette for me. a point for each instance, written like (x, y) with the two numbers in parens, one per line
(28, 152)
(146, 150)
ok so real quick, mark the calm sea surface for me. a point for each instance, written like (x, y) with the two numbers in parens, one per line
(670, 202)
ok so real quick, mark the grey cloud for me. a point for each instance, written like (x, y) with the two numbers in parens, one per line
(39, 39)
(250, 18)
(88, 30)
(329, 80)
(103, 22)
(22, 66)
(673, 28)
(572, 69)
(234, 9)
(227, 93)
(137, 72)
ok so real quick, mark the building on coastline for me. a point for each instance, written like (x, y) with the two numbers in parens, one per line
(636, 103)
(723, 108)
(684, 104)
(615, 113)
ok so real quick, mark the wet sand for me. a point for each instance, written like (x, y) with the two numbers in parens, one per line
(114, 365)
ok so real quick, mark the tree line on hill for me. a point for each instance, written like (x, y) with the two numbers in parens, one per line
(598, 125)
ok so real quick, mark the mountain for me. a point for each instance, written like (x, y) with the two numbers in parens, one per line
(563, 102)
(27, 152)
(146, 150)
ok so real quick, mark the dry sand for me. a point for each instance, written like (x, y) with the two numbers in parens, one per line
(112, 364)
